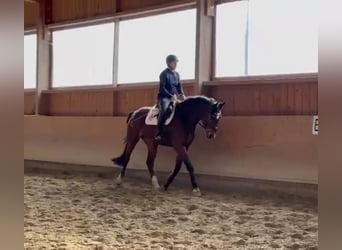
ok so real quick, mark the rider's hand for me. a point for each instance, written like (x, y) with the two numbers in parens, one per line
(181, 97)
(174, 98)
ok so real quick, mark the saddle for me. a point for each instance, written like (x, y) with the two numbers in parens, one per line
(152, 115)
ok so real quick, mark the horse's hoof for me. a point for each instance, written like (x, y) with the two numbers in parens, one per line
(196, 192)
(118, 180)
(155, 183)
(165, 188)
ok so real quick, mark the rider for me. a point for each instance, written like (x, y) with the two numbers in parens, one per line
(170, 89)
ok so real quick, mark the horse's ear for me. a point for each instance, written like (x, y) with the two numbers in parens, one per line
(221, 104)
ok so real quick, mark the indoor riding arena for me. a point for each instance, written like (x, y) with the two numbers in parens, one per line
(248, 173)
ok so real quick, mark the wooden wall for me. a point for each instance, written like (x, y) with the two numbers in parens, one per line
(267, 96)
(100, 101)
(30, 15)
(29, 102)
(263, 147)
(78, 102)
(129, 99)
(66, 10)
(247, 96)
(129, 5)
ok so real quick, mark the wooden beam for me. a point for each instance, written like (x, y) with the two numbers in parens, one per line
(227, 1)
(118, 6)
(116, 53)
(32, 1)
(210, 8)
(204, 43)
(44, 58)
(213, 46)
(123, 15)
(48, 12)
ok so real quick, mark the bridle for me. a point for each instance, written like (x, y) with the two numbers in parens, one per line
(202, 124)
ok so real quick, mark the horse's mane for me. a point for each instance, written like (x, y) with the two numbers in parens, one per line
(199, 98)
(190, 102)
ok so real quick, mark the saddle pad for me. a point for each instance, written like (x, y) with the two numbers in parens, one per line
(152, 116)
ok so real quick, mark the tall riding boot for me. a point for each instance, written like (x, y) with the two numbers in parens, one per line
(160, 133)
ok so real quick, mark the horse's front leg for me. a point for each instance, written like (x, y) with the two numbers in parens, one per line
(174, 173)
(183, 155)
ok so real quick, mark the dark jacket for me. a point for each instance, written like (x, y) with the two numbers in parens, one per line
(169, 84)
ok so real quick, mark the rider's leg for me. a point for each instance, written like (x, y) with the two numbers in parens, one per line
(163, 104)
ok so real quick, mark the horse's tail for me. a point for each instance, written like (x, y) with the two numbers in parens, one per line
(123, 159)
(120, 161)
(127, 120)
(129, 117)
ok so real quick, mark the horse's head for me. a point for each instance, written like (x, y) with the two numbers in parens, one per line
(205, 111)
(211, 119)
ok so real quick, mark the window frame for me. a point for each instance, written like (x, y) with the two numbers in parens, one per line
(138, 15)
(116, 18)
(274, 76)
(75, 25)
(214, 40)
(27, 33)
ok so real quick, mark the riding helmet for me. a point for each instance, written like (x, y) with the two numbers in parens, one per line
(171, 58)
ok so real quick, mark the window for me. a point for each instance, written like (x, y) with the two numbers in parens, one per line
(144, 44)
(277, 37)
(30, 61)
(283, 36)
(83, 56)
(230, 38)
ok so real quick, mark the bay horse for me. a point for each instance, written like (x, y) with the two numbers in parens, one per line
(179, 134)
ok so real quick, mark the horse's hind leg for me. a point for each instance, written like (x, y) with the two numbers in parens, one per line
(174, 173)
(124, 159)
(152, 152)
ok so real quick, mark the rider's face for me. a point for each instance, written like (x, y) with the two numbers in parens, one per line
(173, 65)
